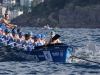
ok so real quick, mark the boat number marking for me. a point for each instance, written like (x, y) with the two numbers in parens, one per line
(47, 55)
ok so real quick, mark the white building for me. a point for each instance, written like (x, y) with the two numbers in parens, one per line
(14, 14)
(35, 2)
(26, 3)
(2, 10)
(9, 2)
(40, 1)
(21, 2)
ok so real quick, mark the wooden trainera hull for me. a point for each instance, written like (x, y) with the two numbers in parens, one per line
(53, 53)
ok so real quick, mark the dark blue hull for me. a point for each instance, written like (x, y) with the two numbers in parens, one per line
(53, 53)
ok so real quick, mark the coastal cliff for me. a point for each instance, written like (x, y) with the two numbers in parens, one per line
(63, 13)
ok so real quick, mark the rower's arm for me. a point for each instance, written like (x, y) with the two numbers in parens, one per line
(7, 24)
(55, 41)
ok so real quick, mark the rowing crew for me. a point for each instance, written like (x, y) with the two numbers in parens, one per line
(27, 41)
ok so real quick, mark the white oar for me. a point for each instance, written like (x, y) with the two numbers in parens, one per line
(4, 41)
(11, 43)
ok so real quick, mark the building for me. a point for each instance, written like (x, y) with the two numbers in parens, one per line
(1, 1)
(26, 3)
(35, 2)
(2, 10)
(40, 1)
(9, 2)
(18, 1)
(14, 14)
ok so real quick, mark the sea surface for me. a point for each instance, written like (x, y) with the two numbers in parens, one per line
(86, 43)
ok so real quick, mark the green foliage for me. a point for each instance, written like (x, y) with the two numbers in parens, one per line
(44, 9)
(84, 2)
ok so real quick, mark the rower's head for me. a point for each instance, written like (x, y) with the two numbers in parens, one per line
(21, 34)
(42, 36)
(36, 37)
(14, 32)
(30, 33)
(27, 36)
(6, 16)
(39, 36)
(53, 33)
(7, 31)
(18, 30)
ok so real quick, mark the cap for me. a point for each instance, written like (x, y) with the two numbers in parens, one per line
(39, 35)
(30, 33)
(52, 32)
(35, 37)
(7, 30)
(14, 31)
(42, 36)
(21, 33)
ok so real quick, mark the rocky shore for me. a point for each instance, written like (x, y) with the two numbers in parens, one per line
(61, 15)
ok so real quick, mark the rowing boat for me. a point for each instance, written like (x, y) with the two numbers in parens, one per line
(53, 52)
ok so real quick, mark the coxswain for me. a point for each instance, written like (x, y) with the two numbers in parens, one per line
(52, 35)
(5, 24)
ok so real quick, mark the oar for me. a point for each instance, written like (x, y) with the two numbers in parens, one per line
(85, 59)
(9, 52)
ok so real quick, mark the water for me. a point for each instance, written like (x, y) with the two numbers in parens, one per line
(86, 45)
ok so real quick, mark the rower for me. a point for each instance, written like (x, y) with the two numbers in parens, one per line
(15, 37)
(21, 39)
(43, 39)
(30, 35)
(38, 41)
(18, 30)
(52, 35)
(7, 36)
(28, 44)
